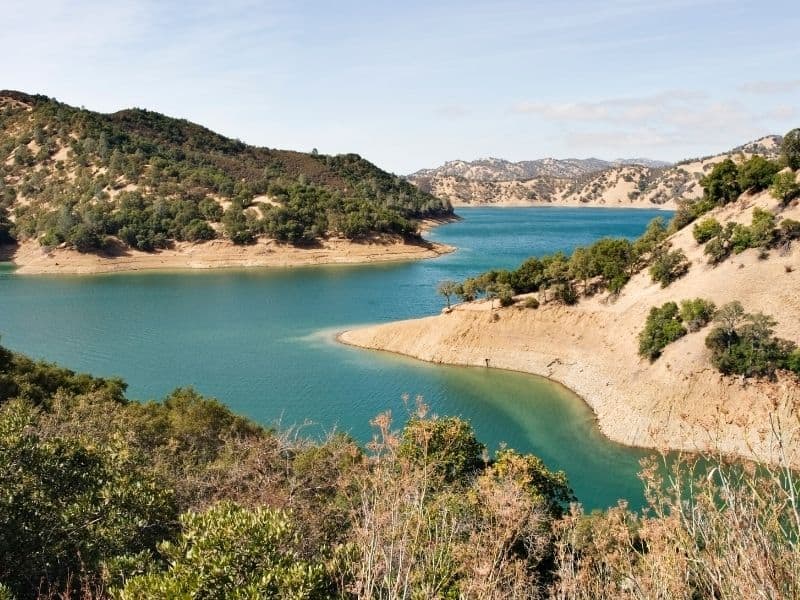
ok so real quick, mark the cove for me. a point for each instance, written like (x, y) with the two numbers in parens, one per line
(262, 341)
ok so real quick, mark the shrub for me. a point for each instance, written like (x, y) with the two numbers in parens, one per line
(668, 266)
(68, 505)
(229, 551)
(662, 327)
(532, 302)
(697, 313)
(790, 229)
(198, 230)
(565, 293)
(717, 250)
(785, 187)
(762, 229)
(706, 230)
(447, 445)
(793, 361)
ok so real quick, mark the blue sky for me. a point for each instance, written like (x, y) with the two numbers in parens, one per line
(412, 84)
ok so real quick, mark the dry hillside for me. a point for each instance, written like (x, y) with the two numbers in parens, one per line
(678, 401)
(622, 185)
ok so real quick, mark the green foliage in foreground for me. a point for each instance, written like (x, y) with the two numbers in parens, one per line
(232, 552)
(93, 486)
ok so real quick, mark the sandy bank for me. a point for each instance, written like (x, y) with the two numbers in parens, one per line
(678, 402)
(30, 258)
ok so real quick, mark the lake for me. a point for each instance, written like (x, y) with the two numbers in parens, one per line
(262, 341)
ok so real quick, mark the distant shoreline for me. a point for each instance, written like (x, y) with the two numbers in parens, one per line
(29, 258)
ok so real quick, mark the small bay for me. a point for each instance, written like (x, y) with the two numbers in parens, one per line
(262, 341)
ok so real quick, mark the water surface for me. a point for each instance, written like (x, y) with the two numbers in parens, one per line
(262, 341)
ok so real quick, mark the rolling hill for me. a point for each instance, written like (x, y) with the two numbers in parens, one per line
(141, 181)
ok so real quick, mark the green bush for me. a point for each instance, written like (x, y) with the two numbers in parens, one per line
(448, 445)
(68, 505)
(793, 361)
(706, 230)
(744, 344)
(790, 229)
(756, 173)
(721, 186)
(662, 327)
(785, 187)
(532, 302)
(717, 250)
(565, 293)
(232, 552)
(668, 266)
(697, 313)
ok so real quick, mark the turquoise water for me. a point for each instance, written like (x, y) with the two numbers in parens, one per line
(262, 341)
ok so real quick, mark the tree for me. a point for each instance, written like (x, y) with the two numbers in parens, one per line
(756, 173)
(468, 290)
(790, 149)
(668, 266)
(721, 186)
(762, 229)
(652, 239)
(447, 289)
(785, 187)
(581, 266)
(744, 344)
(662, 327)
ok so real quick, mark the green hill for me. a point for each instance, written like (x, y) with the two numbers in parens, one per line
(76, 177)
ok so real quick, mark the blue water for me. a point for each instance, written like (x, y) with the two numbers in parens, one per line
(262, 341)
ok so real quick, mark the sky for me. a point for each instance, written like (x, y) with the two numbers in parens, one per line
(411, 84)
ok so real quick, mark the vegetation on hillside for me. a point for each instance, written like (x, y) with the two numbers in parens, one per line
(108, 498)
(741, 343)
(727, 181)
(75, 177)
(608, 264)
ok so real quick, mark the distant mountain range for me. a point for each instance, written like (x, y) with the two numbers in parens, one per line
(631, 182)
(498, 169)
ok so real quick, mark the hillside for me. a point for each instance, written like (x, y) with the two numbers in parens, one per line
(679, 400)
(139, 181)
(640, 183)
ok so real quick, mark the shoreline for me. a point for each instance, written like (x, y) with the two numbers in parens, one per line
(340, 337)
(679, 402)
(28, 258)
(658, 207)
